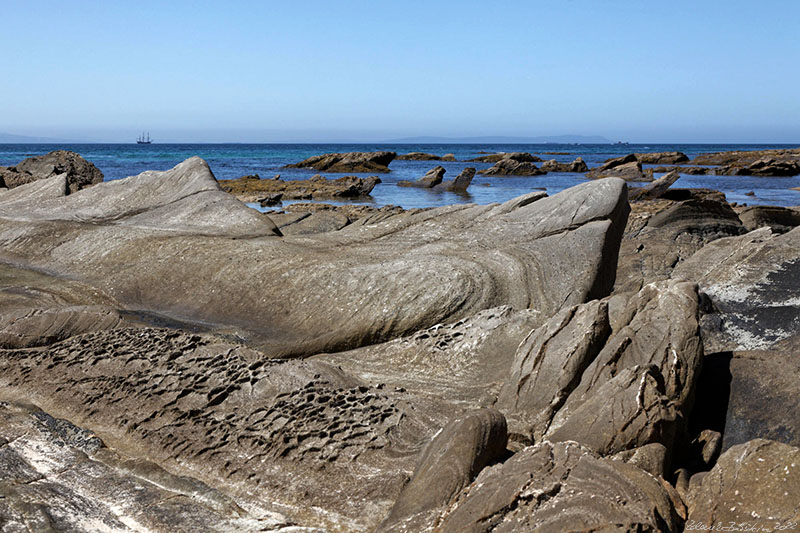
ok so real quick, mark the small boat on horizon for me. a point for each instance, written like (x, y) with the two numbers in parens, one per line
(143, 140)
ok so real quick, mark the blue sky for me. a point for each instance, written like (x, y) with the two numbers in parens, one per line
(313, 71)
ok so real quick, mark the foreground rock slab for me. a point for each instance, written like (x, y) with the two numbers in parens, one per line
(348, 162)
(300, 436)
(755, 483)
(563, 487)
(308, 294)
(55, 476)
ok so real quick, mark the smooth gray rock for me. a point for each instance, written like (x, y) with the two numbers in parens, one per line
(648, 367)
(563, 487)
(548, 365)
(210, 258)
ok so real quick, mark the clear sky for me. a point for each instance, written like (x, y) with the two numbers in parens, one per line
(640, 71)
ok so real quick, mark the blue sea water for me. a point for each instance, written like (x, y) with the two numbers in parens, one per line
(229, 161)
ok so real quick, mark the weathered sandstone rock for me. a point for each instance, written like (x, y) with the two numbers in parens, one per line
(450, 462)
(778, 219)
(76, 171)
(753, 282)
(563, 487)
(303, 295)
(55, 476)
(513, 167)
(655, 189)
(631, 171)
(756, 483)
(303, 437)
(662, 233)
(348, 162)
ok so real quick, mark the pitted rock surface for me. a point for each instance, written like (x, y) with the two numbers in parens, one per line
(303, 434)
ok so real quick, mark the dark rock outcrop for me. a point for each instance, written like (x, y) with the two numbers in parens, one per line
(579, 165)
(520, 157)
(460, 183)
(432, 266)
(762, 402)
(254, 189)
(513, 167)
(422, 156)
(78, 172)
(662, 158)
(348, 162)
(754, 483)
(431, 178)
(563, 487)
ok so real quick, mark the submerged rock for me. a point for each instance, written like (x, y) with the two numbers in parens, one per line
(422, 156)
(431, 178)
(78, 172)
(460, 183)
(348, 162)
(520, 157)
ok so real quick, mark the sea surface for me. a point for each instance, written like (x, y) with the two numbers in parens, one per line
(230, 161)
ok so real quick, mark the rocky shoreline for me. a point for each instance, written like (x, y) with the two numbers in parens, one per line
(172, 360)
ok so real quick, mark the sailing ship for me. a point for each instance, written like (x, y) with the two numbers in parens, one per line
(144, 140)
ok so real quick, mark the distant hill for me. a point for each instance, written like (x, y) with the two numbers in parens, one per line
(552, 139)
(25, 139)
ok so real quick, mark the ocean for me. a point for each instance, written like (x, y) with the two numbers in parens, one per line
(230, 161)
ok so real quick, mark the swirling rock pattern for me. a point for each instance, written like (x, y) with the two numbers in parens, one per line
(211, 259)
